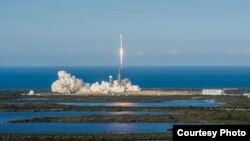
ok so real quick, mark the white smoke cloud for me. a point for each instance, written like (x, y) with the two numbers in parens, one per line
(31, 93)
(68, 83)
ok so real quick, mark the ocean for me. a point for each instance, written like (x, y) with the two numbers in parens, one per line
(146, 77)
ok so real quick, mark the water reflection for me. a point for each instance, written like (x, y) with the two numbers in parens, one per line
(77, 128)
(7, 116)
(173, 103)
(122, 104)
(84, 128)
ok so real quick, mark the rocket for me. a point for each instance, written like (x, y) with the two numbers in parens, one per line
(119, 76)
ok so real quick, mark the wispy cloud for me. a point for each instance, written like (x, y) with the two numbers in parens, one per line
(243, 51)
(174, 51)
(232, 51)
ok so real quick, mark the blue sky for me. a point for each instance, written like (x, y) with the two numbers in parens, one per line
(156, 32)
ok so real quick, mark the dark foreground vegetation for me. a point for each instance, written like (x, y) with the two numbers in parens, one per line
(99, 137)
(13, 101)
(188, 115)
(235, 110)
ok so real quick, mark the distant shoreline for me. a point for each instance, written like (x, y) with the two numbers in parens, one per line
(151, 91)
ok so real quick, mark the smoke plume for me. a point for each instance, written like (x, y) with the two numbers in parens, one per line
(68, 83)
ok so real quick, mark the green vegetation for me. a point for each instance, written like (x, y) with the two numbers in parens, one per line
(99, 137)
(235, 110)
(14, 101)
(182, 115)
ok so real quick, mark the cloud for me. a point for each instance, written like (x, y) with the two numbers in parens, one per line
(68, 83)
(232, 51)
(244, 51)
(247, 51)
(174, 51)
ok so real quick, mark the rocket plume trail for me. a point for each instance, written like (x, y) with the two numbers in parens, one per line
(121, 52)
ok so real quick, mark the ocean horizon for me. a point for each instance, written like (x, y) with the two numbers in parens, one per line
(169, 77)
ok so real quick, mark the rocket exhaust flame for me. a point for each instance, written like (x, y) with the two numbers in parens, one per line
(119, 76)
(121, 57)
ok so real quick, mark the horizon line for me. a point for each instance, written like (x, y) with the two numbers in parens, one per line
(128, 66)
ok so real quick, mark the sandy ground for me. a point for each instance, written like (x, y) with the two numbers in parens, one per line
(159, 92)
(151, 92)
